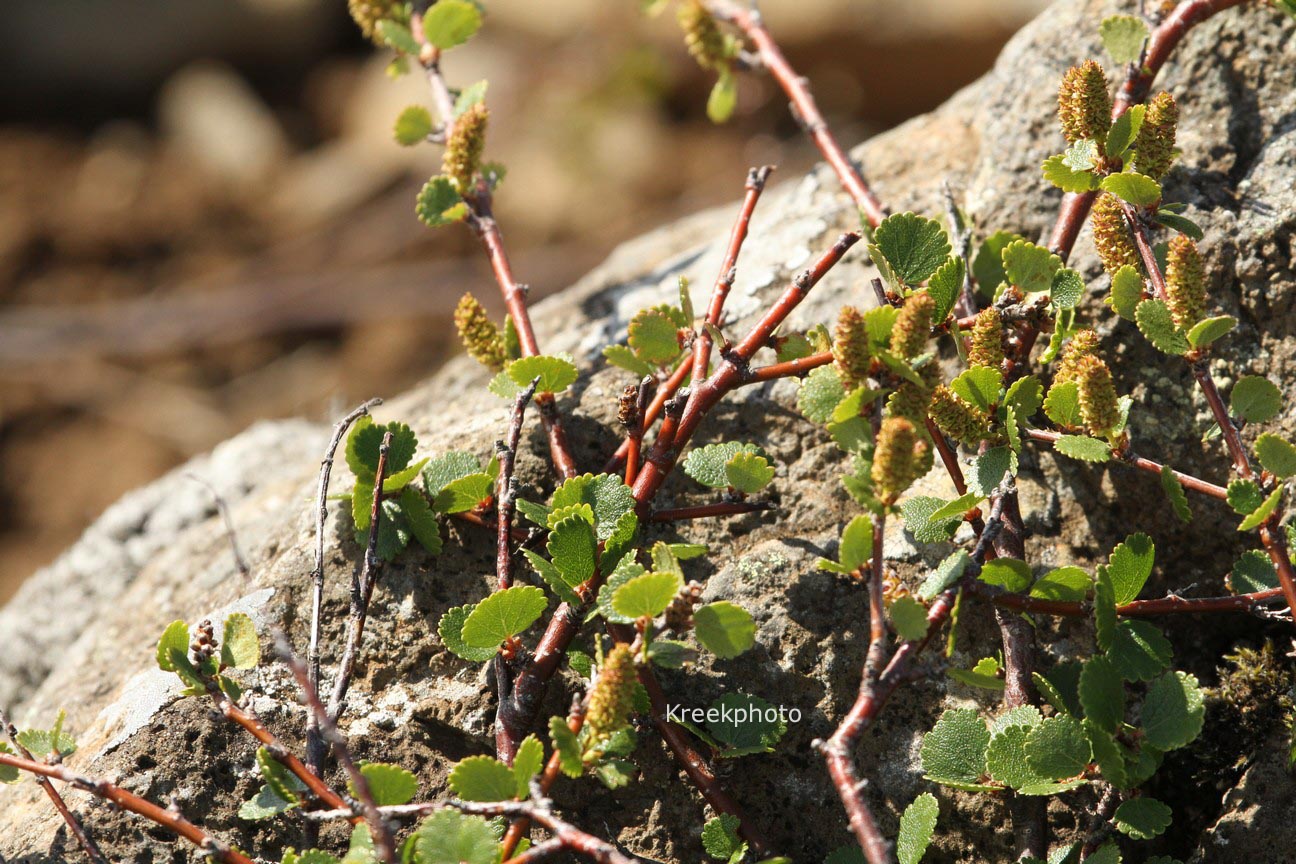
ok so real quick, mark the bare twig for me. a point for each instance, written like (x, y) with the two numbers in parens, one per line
(706, 511)
(223, 508)
(379, 831)
(167, 818)
(1188, 481)
(74, 824)
(506, 487)
(362, 586)
(314, 744)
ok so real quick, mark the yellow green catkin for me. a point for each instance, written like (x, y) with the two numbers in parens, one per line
(1082, 344)
(480, 336)
(1185, 282)
(986, 344)
(1155, 145)
(612, 699)
(702, 35)
(894, 464)
(367, 14)
(1084, 105)
(910, 401)
(464, 148)
(1099, 408)
(1111, 235)
(913, 326)
(850, 347)
(965, 423)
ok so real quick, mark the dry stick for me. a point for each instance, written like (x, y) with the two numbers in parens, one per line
(1171, 604)
(315, 744)
(506, 498)
(74, 824)
(706, 511)
(839, 750)
(802, 103)
(168, 819)
(756, 180)
(362, 587)
(223, 508)
(1188, 481)
(539, 810)
(379, 832)
(483, 224)
(1274, 541)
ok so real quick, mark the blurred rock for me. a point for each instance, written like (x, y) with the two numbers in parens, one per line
(210, 113)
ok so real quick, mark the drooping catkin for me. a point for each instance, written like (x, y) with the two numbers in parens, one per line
(913, 325)
(1084, 105)
(612, 699)
(894, 463)
(1111, 235)
(481, 338)
(1185, 282)
(464, 148)
(1155, 146)
(986, 343)
(965, 423)
(850, 347)
(1099, 408)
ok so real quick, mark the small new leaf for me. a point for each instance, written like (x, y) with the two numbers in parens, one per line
(413, 126)
(1208, 330)
(1127, 292)
(1173, 711)
(451, 631)
(647, 595)
(748, 472)
(556, 372)
(451, 22)
(1058, 749)
(1175, 493)
(909, 618)
(439, 203)
(569, 751)
(1057, 172)
(239, 646)
(913, 245)
(1030, 267)
(1130, 566)
(708, 465)
(1137, 189)
(1255, 399)
(720, 839)
(1142, 818)
(1263, 512)
(572, 546)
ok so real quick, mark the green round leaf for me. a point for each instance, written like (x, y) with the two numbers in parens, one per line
(955, 748)
(909, 617)
(707, 464)
(1142, 818)
(1030, 267)
(748, 472)
(1209, 330)
(1123, 37)
(648, 595)
(573, 547)
(1155, 322)
(720, 838)
(654, 336)
(439, 203)
(1006, 757)
(451, 631)
(1126, 292)
(1071, 584)
(723, 98)
(820, 393)
(451, 837)
(725, 629)
(1058, 749)
(483, 778)
(1083, 447)
(1173, 711)
(240, 648)
(1137, 189)
(556, 372)
(1276, 455)
(1130, 565)
(1252, 572)
(1010, 573)
(987, 266)
(913, 245)
(527, 763)
(451, 22)
(1263, 512)
(856, 543)
(1102, 694)
(502, 615)
(1057, 172)
(390, 785)
(1067, 288)
(413, 126)
(1255, 399)
(1139, 651)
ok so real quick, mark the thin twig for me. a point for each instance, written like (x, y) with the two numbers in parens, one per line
(362, 586)
(223, 508)
(506, 487)
(74, 824)
(168, 818)
(707, 511)
(315, 744)
(1188, 481)
(379, 831)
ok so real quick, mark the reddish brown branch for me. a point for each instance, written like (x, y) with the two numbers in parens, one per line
(506, 488)
(168, 819)
(518, 828)
(1169, 605)
(74, 824)
(729, 375)
(1188, 481)
(839, 750)
(1274, 541)
(789, 368)
(756, 179)
(802, 104)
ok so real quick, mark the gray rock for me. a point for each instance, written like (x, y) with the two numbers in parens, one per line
(85, 628)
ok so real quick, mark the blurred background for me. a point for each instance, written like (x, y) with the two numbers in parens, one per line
(204, 220)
